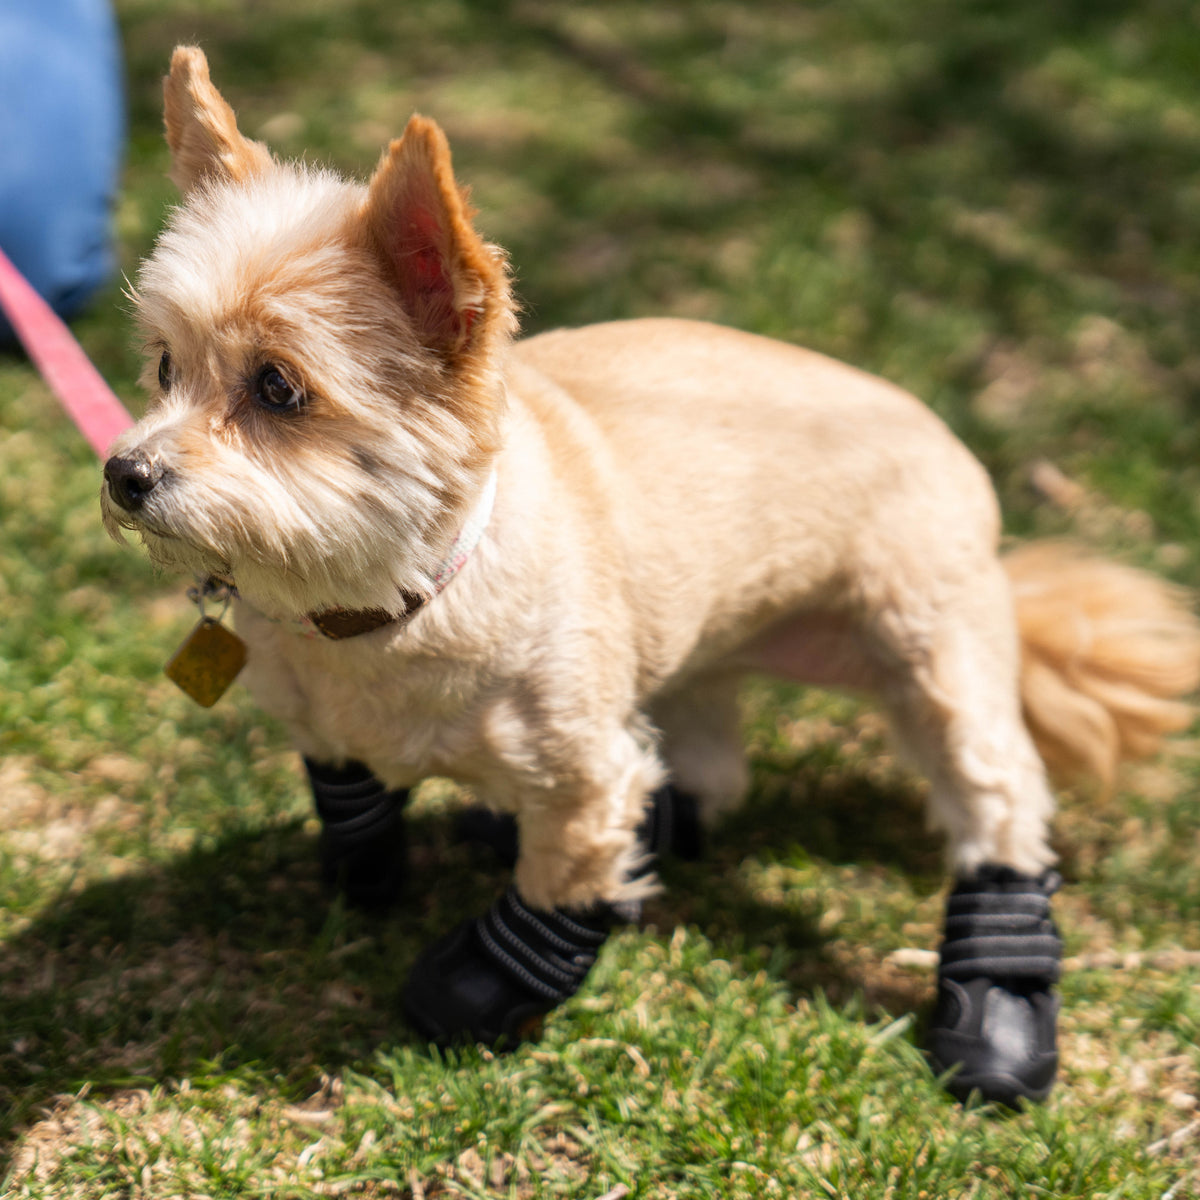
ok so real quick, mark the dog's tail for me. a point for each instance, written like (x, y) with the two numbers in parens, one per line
(1108, 655)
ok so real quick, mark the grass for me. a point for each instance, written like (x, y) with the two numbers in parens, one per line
(995, 206)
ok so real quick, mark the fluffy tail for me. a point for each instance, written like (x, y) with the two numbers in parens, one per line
(1108, 654)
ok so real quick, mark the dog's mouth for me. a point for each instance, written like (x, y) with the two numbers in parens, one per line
(118, 516)
(168, 548)
(143, 526)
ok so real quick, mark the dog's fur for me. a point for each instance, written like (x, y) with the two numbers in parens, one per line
(677, 505)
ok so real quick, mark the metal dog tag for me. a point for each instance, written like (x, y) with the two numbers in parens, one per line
(208, 662)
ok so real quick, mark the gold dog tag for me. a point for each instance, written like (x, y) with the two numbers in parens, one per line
(208, 662)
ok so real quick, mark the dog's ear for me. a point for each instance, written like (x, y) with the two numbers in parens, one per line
(202, 131)
(454, 286)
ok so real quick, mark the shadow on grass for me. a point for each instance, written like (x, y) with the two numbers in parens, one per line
(837, 835)
(234, 957)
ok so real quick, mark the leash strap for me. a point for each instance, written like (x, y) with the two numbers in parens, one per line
(89, 401)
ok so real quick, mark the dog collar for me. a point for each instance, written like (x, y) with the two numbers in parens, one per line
(338, 624)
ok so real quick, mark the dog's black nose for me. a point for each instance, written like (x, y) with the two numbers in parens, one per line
(131, 480)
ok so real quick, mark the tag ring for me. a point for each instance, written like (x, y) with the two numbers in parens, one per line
(210, 590)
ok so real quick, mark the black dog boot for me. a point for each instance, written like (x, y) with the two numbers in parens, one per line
(493, 979)
(672, 825)
(995, 1014)
(495, 831)
(363, 848)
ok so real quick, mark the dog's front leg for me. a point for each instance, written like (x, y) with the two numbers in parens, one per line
(581, 868)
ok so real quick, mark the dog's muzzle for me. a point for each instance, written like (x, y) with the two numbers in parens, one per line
(130, 480)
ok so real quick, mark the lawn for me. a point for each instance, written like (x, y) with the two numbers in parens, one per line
(996, 206)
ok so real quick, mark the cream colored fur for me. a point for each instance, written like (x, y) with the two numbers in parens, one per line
(677, 505)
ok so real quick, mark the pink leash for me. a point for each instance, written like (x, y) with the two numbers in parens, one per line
(62, 362)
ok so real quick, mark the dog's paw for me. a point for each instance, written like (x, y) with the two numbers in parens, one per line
(493, 979)
(363, 848)
(996, 1012)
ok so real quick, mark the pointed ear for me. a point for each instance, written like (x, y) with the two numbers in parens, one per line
(454, 286)
(202, 131)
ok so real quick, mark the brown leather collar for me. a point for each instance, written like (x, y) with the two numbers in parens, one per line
(338, 624)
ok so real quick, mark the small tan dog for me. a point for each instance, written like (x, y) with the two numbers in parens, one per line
(626, 520)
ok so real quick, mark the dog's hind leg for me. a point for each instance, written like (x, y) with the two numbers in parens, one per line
(699, 723)
(951, 688)
(955, 704)
(700, 743)
(940, 649)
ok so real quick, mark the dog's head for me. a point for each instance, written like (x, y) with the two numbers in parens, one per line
(325, 364)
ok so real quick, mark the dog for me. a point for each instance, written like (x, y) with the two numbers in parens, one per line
(541, 568)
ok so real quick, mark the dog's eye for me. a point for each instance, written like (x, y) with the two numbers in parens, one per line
(166, 371)
(272, 390)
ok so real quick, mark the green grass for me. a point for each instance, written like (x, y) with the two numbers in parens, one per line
(998, 207)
